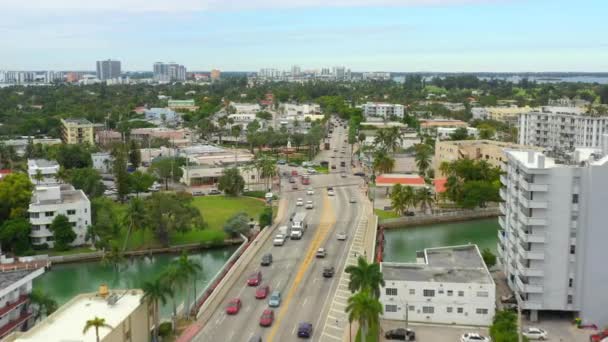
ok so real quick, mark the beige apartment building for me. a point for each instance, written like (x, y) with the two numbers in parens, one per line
(488, 150)
(77, 131)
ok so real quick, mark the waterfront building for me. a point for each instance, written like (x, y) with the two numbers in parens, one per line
(108, 69)
(169, 72)
(384, 110)
(182, 105)
(553, 233)
(77, 131)
(48, 201)
(126, 313)
(47, 169)
(447, 285)
(16, 311)
(562, 128)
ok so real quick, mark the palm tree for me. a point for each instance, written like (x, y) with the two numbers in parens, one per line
(39, 177)
(189, 269)
(365, 277)
(175, 280)
(383, 163)
(113, 257)
(135, 218)
(96, 323)
(402, 197)
(155, 291)
(423, 158)
(425, 198)
(43, 304)
(366, 309)
(268, 169)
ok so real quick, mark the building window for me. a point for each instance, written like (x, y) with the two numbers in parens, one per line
(481, 311)
(572, 249)
(72, 212)
(482, 293)
(574, 198)
(428, 309)
(49, 213)
(35, 227)
(50, 238)
(570, 281)
(449, 309)
(34, 215)
(428, 293)
(412, 291)
(459, 310)
(391, 291)
(460, 293)
(411, 308)
(450, 293)
(390, 308)
(569, 299)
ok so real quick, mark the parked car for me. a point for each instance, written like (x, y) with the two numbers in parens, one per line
(305, 330)
(343, 174)
(299, 202)
(321, 253)
(266, 259)
(328, 272)
(400, 334)
(292, 180)
(267, 318)
(341, 236)
(214, 192)
(233, 307)
(262, 292)
(474, 337)
(533, 333)
(294, 186)
(275, 299)
(360, 174)
(409, 213)
(281, 162)
(333, 167)
(254, 279)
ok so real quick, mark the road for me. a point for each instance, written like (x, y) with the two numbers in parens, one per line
(295, 270)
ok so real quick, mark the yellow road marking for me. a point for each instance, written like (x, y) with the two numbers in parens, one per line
(326, 222)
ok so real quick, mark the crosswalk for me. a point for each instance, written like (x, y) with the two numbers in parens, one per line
(336, 322)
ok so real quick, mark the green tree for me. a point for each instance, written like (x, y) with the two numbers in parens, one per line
(86, 179)
(140, 182)
(105, 224)
(134, 219)
(74, 156)
(15, 194)
(460, 133)
(167, 213)
(382, 162)
(96, 323)
(15, 236)
(267, 169)
(43, 304)
(365, 277)
(237, 224)
(154, 292)
(402, 198)
(504, 326)
(113, 257)
(425, 198)
(231, 182)
(263, 115)
(175, 280)
(488, 257)
(119, 169)
(62, 232)
(168, 169)
(134, 154)
(366, 309)
(266, 217)
(423, 156)
(189, 269)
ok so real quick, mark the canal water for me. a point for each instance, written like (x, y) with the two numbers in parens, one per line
(65, 281)
(402, 243)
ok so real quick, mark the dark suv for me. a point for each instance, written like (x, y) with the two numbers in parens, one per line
(401, 334)
(266, 260)
(305, 330)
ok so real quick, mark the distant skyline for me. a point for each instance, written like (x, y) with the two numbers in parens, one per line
(363, 35)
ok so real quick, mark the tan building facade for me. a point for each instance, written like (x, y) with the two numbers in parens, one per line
(77, 131)
(488, 150)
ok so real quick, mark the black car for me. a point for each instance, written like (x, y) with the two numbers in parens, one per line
(328, 272)
(266, 260)
(360, 174)
(343, 164)
(401, 334)
(409, 213)
(305, 330)
(255, 339)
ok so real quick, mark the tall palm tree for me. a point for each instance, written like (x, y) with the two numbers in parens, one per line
(154, 292)
(134, 218)
(96, 323)
(397, 199)
(188, 269)
(113, 257)
(365, 277)
(366, 309)
(423, 158)
(268, 169)
(175, 280)
(43, 304)
(425, 198)
(383, 163)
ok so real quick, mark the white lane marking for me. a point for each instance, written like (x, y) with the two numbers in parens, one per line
(293, 332)
(332, 336)
(305, 300)
(230, 335)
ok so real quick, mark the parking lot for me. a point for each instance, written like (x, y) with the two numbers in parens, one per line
(432, 332)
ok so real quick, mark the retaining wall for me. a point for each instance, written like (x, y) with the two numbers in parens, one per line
(453, 216)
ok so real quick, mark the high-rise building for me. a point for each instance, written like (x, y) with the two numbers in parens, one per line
(552, 241)
(215, 74)
(296, 71)
(339, 73)
(108, 69)
(169, 72)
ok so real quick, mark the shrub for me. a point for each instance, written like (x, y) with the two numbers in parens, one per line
(165, 329)
(266, 217)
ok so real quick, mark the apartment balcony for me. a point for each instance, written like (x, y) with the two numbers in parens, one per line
(503, 193)
(533, 204)
(502, 222)
(500, 251)
(502, 236)
(532, 186)
(504, 179)
(531, 238)
(503, 208)
(528, 288)
(527, 305)
(529, 272)
(530, 255)
(12, 325)
(532, 221)
(11, 306)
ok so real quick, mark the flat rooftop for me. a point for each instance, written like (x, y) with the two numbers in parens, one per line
(78, 121)
(67, 322)
(40, 163)
(9, 278)
(455, 264)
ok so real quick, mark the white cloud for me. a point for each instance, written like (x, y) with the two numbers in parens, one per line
(210, 5)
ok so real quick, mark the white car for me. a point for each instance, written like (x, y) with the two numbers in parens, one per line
(341, 236)
(299, 202)
(352, 200)
(309, 205)
(279, 240)
(312, 171)
(535, 333)
(474, 337)
(310, 191)
(330, 192)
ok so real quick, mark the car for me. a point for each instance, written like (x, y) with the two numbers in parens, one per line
(343, 174)
(352, 200)
(533, 333)
(335, 150)
(281, 162)
(330, 191)
(275, 299)
(279, 240)
(309, 205)
(400, 334)
(254, 279)
(293, 164)
(198, 193)
(360, 174)
(299, 202)
(321, 253)
(267, 318)
(255, 339)
(333, 167)
(294, 186)
(266, 259)
(342, 163)
(109, 192)
(409, 213)
(310, 191)
(474, 337)
(328, 272)
(262, 292)
(341, 236)
(233, 307)
(292, 180)
(214, 192)
(600, 336)
(312, 171)
(305, 330)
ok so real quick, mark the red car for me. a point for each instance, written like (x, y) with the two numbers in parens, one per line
(599, 336)
(233, 306)
(262, 292)
(267, 318)
(254, 279)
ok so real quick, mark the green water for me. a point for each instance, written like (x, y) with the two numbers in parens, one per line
(63, 282)
(402, 243)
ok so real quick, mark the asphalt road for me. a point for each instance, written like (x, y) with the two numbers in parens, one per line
(295, 270)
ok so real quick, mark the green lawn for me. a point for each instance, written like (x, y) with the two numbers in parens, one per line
(218, 209)
(385, 214)
(321, 169)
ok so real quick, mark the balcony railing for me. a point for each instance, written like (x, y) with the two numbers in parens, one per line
(528, 288)
(531, 203)
(533, 186)
(530, 255)
(10, 326)
(529, 272)
(532, 221)
(10, 306)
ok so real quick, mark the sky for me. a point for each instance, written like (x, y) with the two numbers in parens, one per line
(363, 35)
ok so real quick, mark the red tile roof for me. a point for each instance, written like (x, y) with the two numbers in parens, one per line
(440, 184)
(412, 180)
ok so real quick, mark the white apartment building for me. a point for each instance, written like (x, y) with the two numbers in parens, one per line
(561, 128)
(291, 109)
(46, 168)
(444, 133)
(384, 110)
(102, 162)
(245, 108)
(552, 244)
(447, 285)
(15, 310)
(48, 201)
